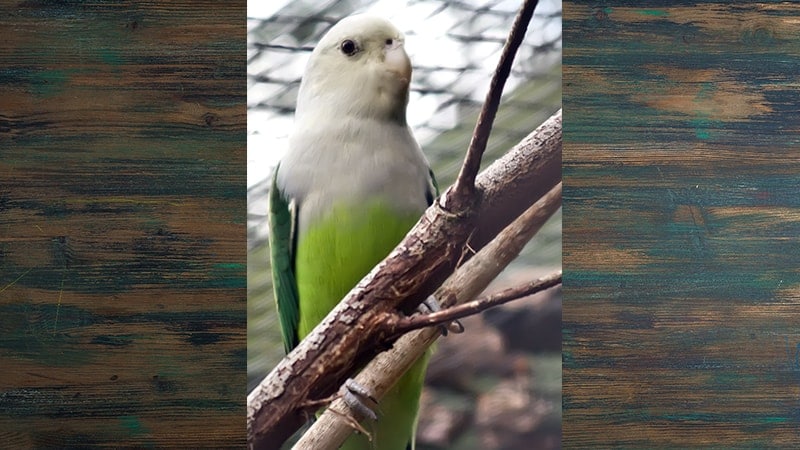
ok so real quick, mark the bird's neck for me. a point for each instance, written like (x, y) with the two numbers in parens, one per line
(382, 103)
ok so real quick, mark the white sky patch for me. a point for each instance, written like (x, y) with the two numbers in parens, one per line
(266, 145)
(408, 17)
(264, 9)
(387, 8)
(422, 119)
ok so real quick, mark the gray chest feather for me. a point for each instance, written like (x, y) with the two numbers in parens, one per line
(354, 165)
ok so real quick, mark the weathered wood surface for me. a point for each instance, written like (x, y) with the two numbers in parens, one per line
(122, 225)
(682, 225)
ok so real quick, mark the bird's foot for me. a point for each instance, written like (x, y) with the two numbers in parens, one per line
(359, 399)
(431, 305)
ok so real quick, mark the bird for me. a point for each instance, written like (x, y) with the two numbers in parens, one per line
(353, 182)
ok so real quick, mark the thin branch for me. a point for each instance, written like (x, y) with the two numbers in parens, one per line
(330, 430)
(465, 184)
(404, 324)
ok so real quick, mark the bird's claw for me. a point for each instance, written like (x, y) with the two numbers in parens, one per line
(430, 305)
(359, 399)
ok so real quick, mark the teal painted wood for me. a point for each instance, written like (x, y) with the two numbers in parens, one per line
(122, 225)
(681, 319)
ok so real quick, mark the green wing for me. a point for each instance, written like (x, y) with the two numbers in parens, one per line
(281, 249)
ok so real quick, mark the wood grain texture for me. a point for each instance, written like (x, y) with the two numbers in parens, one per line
(122, 224)
(682, 225)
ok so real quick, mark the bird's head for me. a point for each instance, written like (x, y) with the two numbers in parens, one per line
(360, 69)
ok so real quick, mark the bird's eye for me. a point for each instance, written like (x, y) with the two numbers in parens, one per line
(348, 47)
(389, 41)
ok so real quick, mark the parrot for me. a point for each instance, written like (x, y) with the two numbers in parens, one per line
(353, 182)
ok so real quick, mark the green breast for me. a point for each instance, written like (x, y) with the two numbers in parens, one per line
(332, 257)
(335, 253)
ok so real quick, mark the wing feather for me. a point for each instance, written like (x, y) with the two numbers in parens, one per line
(282, 218)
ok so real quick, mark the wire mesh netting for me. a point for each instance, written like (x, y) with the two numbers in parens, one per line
(454, 47)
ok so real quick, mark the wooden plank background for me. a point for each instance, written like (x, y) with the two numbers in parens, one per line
(681, 310)
(122, 224)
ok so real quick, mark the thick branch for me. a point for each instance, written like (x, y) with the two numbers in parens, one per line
(330, 430)
(465, 184)
(317, 367)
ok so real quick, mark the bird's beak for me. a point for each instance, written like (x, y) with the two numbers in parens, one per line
(397, 61)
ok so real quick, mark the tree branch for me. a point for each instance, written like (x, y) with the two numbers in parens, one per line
(465, 183)
(405, 324)
(478, 272)
(331, 429)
